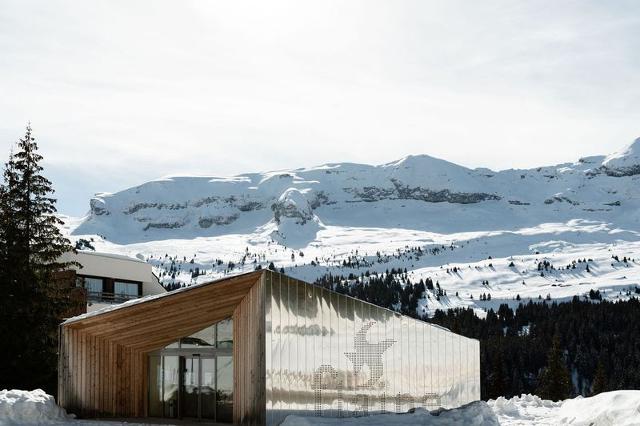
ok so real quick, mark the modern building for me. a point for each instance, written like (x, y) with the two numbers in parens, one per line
(111, 278)
(252, 349)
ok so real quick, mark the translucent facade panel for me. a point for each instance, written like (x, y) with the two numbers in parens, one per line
(285, 353)
(303, 374)
(350, 333)
(412, 355)
(396, 335)
(332, 355)
(419, 365)
(268, 359)
(293, 346)
(475, 368)
(352, 354)
(374, 369)
(457, 385)
(276, 344)
(334, 348)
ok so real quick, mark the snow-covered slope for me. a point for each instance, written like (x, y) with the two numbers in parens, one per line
(419, 213)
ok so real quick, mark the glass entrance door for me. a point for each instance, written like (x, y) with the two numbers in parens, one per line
(206, 387)
(190, 392)
(193, 377)
(224, 389)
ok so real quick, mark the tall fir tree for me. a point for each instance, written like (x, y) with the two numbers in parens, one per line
(554, 382)
(33, 298)
(600, 379)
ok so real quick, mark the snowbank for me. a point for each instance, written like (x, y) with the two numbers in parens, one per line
(474, 414)
(29, 407)
(522, 409)
(620, 408)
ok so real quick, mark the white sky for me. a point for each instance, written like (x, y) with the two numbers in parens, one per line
(120, 92)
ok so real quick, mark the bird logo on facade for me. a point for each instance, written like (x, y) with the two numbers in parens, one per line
(369, 354)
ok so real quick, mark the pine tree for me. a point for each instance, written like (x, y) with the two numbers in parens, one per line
(33, 297)
(554, 382)
(497, 380)
(599, 380)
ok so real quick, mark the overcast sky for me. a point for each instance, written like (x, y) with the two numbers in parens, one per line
(120, 92)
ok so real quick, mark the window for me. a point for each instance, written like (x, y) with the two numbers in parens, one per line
(93, 285)
(205, 337)
(224, 334)
(218, 335)
(125, 289)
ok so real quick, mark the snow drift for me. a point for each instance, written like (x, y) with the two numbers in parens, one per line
(620, 408)
(29, 407)
(474, 414)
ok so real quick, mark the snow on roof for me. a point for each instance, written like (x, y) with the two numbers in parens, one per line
(111, 255)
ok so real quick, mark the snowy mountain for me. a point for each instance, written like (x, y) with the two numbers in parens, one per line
(416, 192)
(351, 218)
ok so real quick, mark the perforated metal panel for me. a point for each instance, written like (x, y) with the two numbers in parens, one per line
(331, 355)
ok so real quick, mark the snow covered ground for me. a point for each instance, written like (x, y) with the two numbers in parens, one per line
(620, 408)
(506, 261)
(18, 407)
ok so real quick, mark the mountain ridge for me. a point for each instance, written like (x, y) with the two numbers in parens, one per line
(415, 186)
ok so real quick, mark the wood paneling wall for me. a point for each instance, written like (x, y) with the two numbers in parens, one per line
(249, 401)
(103, 358)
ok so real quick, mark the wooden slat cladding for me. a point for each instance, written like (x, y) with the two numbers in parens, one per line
(249, 401)
(103, 358)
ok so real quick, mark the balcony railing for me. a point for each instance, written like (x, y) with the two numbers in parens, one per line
(102, 297)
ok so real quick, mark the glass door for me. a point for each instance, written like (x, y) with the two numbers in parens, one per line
(224, 390)
(190, 386)
(193, 377)
(208, 389)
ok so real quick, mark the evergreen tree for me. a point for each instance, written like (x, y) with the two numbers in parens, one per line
(554, 382)
(497, 380)
(34, 297)
(600, 380)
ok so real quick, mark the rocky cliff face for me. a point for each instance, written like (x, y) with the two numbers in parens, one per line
(417, 192)
(625, 162)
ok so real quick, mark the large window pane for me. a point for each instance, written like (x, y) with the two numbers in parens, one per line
(204, 337)
(208, 388)
(125, 289)
(191, 389)
(93, 285)
(224, 394)
(224, 337)
(171, 383)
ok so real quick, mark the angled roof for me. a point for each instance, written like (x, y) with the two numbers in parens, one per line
(153, 322)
